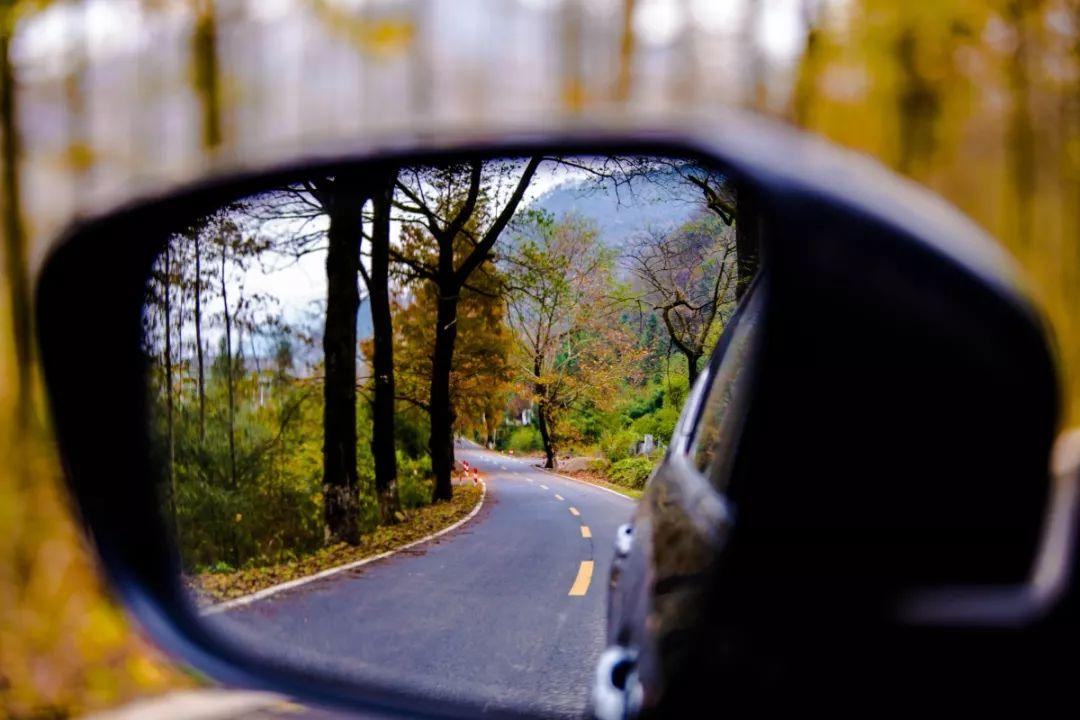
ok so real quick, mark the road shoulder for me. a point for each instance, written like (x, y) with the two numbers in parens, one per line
(260, 583)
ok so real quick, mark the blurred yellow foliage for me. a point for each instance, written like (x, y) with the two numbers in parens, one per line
(65, 646)
(979, 100)
(381, 36)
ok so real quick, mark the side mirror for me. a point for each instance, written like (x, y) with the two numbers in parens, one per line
(874, 425)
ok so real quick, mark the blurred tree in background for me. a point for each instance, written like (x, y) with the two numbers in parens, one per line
(978, 100)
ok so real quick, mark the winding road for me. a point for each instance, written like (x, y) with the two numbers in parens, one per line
(506, 611)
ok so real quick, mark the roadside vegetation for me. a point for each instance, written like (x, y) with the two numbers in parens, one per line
(221, 583)
(292, 428)
(295, 429)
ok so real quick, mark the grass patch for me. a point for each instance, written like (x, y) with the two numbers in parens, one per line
(213, 587)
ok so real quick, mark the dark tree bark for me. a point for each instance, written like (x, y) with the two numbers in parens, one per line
(692, 370)
(443, 416)
(691, 353)
(229, 380)
(747, 239)
(542, 415)
(201, 372)
(343, 199)
(170, 438)
(382, 360)
(231, 392)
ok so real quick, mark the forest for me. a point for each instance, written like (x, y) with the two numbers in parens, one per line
(556, 306)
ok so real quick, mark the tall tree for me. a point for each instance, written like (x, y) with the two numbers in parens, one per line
(343, 199)
(197, 288)
(170, 438)
(382, 357)
(293, 217)
(688, 277)
(463, 194)
(224, 239)
(563, 310)
(482, 371)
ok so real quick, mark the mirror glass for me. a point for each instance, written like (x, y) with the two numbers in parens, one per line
(402, 409)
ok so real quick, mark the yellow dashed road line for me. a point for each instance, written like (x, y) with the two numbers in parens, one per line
(584, 577)
(574, 511)
(585, 532)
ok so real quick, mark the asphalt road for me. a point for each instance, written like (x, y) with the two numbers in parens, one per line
(500, 612)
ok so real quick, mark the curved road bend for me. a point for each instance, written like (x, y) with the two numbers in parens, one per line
(502, 612)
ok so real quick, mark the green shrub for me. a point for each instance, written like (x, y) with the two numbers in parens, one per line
(525, 439)
(414, 481)
(598, 465)
(676, 391)
(619, 445)
(632, 472)
(659, 424)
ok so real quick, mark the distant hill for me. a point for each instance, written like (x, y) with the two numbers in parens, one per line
(619, 216)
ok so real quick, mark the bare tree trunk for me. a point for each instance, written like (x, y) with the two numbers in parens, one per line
(540, 390)
(692, 371)
(545, 434)
(198, 338)
(170, 439)
(231, 419)
(229, 371)
(341, 498)
(14, 232)
(441, 440)
(382, 366)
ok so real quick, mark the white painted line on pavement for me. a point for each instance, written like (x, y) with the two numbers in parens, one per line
(275, 589)
(207, 704)
(559, 497)
(592, 485)
(544, 486)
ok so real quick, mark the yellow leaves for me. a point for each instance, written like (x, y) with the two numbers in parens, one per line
(239, 517)
(65, 648)
(385, 36)
(413, 525)
(79, 157)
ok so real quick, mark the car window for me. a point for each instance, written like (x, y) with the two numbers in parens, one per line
(722, 413)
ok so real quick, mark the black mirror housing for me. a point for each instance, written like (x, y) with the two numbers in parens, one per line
(905, 400)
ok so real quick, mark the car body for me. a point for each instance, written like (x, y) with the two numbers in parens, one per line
(842, 500)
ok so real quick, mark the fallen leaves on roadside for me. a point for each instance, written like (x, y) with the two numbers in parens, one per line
(212, 587)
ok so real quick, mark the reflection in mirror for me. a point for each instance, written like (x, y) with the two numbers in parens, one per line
(344, 366)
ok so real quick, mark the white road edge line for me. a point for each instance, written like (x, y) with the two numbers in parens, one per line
(565, 477)
(589, 484)
(275, 589)
(205, 704)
